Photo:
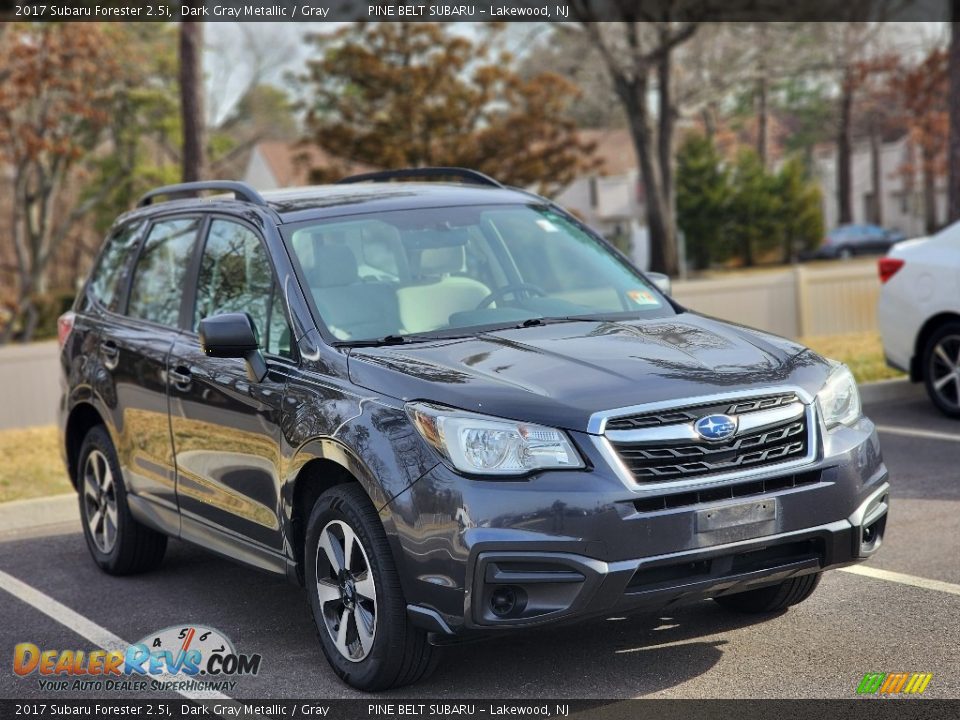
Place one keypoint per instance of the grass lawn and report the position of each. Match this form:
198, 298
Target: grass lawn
862, 352
30, 464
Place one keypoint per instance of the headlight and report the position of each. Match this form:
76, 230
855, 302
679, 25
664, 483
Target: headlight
482, 445
839, 399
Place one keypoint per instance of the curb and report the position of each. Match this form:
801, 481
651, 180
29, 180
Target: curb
26, 514
887, 390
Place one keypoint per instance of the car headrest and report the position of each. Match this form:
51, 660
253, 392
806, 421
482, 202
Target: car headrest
442, 260
333, 266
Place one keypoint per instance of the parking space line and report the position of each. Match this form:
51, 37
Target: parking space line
910, 432
99, 636
903, 579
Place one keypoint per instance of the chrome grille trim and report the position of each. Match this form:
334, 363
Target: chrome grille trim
667, 433
598, 421
648, 487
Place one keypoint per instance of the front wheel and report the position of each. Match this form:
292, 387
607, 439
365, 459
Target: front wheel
773, 598
354, 592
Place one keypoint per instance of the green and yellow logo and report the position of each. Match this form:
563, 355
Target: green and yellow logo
894, 683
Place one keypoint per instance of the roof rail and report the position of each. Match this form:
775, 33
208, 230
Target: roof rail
241, 190
468, 177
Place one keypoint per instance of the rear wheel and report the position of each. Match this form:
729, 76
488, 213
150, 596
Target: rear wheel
773, 598
117, 542
941, 365
354, 592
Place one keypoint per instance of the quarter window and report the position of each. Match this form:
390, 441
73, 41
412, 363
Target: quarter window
113, 268
235, 276
161, 270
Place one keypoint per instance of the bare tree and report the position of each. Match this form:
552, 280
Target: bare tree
638, 58
191, 100
242, 58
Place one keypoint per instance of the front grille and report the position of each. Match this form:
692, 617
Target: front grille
662, 460
673, 417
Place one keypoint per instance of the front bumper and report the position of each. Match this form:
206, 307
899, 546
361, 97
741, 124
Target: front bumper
480, 555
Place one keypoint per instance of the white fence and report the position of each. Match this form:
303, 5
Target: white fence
797, 302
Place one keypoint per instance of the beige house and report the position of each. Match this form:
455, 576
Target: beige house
902, 204
610, 200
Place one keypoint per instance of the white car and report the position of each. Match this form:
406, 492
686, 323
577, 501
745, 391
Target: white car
919, 313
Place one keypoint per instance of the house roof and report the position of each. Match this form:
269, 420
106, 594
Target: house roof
291, 162
614, 149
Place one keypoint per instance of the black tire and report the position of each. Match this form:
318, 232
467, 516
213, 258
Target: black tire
773, 598
399, 653
845, 253
134, 548
946, 398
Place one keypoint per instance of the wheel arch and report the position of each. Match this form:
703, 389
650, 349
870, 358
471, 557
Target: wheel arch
319, 465
83, 417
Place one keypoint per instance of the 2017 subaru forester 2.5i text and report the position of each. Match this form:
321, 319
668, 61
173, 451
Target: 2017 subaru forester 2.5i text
446, 408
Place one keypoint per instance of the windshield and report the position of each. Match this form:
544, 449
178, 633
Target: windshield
437, 271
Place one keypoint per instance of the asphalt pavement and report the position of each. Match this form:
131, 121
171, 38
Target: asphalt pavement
900, 612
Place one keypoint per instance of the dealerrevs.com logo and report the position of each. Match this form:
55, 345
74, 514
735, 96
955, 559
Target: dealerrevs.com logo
178, 658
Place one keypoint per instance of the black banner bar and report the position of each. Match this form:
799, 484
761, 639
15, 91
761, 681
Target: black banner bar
390, 708
478, 10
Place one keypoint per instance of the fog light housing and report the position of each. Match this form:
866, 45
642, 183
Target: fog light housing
507, 600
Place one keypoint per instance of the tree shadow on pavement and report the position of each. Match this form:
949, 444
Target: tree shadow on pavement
617, 658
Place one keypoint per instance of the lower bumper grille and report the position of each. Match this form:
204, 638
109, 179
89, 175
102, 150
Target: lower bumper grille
726, 492
717, 568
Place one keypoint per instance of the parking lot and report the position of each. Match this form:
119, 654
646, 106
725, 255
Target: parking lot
898, 613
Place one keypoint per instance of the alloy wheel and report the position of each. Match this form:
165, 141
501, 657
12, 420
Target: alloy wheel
346, 590
945, 370
100, 501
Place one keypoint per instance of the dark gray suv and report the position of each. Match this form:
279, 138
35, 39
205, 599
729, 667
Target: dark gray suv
446, 408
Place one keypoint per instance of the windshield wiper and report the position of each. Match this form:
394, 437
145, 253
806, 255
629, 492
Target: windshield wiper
538, 321
377, 342
395, 340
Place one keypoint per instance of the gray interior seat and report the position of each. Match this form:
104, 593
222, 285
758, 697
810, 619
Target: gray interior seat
351, 308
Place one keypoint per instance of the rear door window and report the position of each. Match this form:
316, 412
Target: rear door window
158, 280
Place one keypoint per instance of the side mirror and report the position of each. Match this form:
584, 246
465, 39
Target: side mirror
233, 335
661, 281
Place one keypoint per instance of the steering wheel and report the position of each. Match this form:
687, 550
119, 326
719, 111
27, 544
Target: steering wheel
507, 290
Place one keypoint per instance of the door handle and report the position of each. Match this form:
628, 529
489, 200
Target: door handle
180, 378
110, 353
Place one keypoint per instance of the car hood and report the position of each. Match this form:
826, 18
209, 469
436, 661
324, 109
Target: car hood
560, 374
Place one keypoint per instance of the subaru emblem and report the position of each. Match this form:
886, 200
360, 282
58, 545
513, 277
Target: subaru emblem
716, 427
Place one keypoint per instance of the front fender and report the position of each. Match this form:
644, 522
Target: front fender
379, 447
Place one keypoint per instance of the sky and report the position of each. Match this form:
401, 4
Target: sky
235, 50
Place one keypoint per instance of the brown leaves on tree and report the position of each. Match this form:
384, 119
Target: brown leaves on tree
54, 84
396, 95
55, 90
924, 90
